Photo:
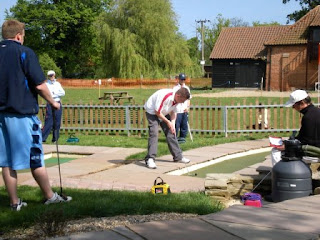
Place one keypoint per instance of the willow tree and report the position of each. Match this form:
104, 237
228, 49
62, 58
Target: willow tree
140, 38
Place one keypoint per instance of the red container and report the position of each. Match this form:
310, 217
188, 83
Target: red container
253, 203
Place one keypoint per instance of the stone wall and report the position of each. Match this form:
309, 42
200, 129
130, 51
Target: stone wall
229, 187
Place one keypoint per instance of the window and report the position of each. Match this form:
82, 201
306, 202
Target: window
313, 43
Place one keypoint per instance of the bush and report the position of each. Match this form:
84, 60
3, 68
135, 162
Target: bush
47, 63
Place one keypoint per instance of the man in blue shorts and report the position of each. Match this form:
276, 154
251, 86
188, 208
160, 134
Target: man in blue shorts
21, 80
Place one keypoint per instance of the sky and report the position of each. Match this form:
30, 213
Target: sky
190, 11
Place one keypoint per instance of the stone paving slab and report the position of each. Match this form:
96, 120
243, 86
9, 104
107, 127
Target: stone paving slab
189, 229
146, 179
305, 204
263, 217
124, 231
250, 232
74, 149
103, 235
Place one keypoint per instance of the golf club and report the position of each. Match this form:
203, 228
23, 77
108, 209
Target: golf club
55, 132
190, 131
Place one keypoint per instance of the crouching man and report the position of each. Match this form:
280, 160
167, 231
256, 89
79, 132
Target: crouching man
161, 109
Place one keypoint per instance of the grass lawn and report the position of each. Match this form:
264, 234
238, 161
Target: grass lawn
86, 96
96, 204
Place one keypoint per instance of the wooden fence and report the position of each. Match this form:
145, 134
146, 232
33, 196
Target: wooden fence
203, 119
143, 83
115, 83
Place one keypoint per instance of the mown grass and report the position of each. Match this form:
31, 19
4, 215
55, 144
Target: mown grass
96, 204
86, 96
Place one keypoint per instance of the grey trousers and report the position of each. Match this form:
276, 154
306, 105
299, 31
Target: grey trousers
153, 124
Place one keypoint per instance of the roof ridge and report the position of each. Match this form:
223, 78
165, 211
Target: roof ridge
296, 32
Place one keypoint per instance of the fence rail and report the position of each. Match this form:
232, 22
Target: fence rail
224, 120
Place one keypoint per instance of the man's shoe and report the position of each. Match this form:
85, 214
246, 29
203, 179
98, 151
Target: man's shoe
57, 199
183, 160
17, 207
151, 164
181, 140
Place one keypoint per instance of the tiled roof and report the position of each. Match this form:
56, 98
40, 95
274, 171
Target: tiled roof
244, 42
297, 33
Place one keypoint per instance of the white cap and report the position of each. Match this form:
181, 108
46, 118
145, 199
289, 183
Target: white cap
296, 96
51, 72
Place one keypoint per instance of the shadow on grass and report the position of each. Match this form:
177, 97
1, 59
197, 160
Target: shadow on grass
96, 204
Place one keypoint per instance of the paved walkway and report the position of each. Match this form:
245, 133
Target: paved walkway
103, 167
293, 219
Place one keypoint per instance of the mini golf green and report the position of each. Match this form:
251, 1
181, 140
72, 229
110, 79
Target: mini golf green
50, 162
230, 166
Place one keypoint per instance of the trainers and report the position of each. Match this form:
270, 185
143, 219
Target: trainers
151, 164
17, 207
57, 199
183, 160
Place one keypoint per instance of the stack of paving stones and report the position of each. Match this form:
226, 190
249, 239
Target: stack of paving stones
228, 188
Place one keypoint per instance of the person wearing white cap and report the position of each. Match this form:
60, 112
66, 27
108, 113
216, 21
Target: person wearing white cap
309, 133
56, 92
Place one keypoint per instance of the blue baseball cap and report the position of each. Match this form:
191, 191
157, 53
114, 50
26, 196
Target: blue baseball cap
182, 76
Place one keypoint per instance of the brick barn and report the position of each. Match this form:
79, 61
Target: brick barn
273, 58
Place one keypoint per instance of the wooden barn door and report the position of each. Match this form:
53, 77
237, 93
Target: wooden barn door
248, 75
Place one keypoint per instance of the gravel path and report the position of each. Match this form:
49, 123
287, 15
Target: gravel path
95, 224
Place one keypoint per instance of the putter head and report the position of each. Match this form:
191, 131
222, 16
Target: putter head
64, 196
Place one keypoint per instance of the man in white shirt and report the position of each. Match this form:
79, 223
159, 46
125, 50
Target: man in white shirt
57, 92
182, 111
161, 109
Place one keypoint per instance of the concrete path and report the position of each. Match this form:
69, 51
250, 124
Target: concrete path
292, 219
104, 169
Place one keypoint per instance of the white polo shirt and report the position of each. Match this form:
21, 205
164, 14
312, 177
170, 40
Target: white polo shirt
161, 101
181, 106
55, 89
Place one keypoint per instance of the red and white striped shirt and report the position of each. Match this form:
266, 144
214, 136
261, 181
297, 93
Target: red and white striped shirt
161, 101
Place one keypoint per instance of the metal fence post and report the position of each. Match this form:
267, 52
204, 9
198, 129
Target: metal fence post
128, 124
225, 121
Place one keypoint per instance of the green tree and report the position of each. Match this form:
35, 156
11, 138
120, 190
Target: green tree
193, 44
258, 23
63, 30
140, 38
306, 6
47, 63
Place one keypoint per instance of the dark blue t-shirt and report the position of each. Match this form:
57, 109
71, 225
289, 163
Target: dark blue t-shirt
20, 73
